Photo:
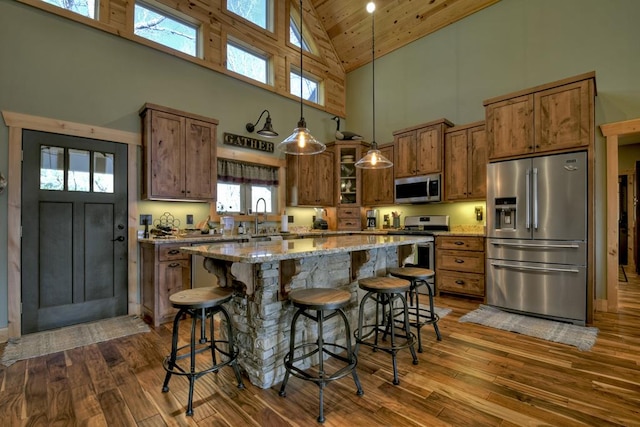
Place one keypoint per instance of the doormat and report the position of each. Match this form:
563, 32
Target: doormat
56, 340
578, 336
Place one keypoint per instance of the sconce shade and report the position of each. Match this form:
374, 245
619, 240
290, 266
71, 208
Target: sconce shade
301, 142
374, 158
267, 130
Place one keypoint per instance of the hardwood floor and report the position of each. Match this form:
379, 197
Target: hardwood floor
474, 376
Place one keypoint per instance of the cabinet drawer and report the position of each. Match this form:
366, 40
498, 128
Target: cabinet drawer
348, 212
467, 283
171, 253
472, 262
460, 243
349, 224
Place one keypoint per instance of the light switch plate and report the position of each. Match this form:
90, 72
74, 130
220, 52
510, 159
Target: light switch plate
189, 219
146, 217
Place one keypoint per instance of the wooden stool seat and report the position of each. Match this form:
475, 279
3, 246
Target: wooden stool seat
419, 277
385, 292
320, 305
200, 297
384, 285
201, 304
320, 298
410, 273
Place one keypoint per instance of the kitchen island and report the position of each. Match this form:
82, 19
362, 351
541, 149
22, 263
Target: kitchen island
263, 273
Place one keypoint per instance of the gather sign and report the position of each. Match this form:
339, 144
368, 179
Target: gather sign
247, 142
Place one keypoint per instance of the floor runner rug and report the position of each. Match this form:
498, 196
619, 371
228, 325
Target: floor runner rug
578, 336
56, 340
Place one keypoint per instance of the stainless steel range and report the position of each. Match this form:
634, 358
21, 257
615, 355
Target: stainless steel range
424, 225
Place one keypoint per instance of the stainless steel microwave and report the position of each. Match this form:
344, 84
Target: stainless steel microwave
419, 189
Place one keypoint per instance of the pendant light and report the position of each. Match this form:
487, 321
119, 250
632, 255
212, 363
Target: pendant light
374, 158
301, 142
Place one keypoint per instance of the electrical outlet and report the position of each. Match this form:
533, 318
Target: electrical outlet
189, 219
290, 219
145, 218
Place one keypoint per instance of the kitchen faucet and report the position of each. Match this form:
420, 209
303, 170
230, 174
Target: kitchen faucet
258, 214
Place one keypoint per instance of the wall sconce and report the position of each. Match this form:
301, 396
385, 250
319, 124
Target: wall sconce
267, 130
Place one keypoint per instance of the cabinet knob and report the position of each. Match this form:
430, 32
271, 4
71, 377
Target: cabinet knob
459, 243
174, 265
174, 252
459, 261
459, 282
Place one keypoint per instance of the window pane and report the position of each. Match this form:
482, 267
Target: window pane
103, 172
78, 175
258, 192
309, 87
246, 63
229, 198
295, 37
51, 168
165, 29
82, 7
251, 10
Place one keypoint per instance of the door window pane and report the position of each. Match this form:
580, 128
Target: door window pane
78, 176
51, 168
103, 173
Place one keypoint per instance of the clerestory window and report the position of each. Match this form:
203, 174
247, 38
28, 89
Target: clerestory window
82, 7
247, 62
257, 11
165, 28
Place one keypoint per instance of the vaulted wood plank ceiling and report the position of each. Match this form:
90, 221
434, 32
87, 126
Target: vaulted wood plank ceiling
397, 23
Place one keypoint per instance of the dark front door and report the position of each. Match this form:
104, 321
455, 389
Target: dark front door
74, 230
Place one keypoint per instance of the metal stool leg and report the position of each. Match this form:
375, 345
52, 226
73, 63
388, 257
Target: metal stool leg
174, 349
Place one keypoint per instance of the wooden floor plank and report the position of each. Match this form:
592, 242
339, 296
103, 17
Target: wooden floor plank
475, 376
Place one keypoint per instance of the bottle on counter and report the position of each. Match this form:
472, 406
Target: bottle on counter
241, 228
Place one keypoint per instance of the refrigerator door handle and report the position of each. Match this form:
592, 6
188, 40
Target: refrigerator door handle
535, 245
527, 197
535, 198
525, 267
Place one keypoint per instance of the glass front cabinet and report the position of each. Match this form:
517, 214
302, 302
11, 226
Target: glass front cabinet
348, 183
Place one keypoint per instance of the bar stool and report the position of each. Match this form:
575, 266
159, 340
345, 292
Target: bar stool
321, 301
419, 277
386, 291
200, 303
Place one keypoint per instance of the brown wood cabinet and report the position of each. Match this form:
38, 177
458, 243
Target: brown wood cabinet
553, 117
465, 162
349, 218
179, 155
165, 271
310, 179
460, 265
418, 150
377, 184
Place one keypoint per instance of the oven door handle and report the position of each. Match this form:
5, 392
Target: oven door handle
535, 245
528, 267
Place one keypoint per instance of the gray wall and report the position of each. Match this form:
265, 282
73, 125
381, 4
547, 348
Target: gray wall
55, 68
512, 45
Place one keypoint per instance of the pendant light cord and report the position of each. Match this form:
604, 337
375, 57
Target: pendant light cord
301, 53
373, 76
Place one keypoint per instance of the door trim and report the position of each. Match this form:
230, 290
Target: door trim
612, 131
16, 122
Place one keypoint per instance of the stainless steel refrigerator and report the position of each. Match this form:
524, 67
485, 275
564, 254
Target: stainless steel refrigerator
537, 236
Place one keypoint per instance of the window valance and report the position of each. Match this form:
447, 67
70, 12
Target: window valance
246, 173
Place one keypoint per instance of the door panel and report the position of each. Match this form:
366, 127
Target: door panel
74, 235
507, 182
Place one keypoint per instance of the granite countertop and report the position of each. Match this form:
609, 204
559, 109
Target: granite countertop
268, 251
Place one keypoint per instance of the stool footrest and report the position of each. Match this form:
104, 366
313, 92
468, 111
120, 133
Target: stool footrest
308, 375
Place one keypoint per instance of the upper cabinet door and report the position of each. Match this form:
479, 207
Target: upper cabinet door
456, 161
563, 117
429, 150
201, 164
477, 173
510, 127
405, 154
166, 156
